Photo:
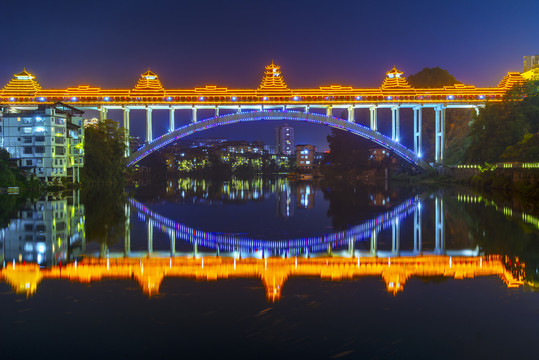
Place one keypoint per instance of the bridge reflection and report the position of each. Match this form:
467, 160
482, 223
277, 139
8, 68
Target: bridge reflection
274, 272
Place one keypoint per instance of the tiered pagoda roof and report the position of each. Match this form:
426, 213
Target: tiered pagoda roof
273, 79
148, 81
511, 79
23, 83
395, 80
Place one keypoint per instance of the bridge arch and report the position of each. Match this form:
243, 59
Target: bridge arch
335, 122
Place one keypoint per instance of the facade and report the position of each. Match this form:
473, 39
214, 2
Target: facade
305, 156
530, 62
47, 232
46, 141
284, 140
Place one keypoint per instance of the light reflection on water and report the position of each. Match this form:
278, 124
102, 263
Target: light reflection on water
390, 237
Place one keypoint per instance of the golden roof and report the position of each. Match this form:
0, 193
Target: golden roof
23, 83
149, 81
273, 79
511, 79
395, 80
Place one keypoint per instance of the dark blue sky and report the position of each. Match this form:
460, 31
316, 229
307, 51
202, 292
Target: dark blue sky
193, 43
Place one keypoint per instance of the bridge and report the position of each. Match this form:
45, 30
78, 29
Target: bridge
273, 99
150, 272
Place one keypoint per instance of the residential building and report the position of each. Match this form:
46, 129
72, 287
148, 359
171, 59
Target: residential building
284, 140
305, 156
47, 141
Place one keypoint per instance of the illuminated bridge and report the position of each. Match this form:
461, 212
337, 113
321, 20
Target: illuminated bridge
272, 100
150, 272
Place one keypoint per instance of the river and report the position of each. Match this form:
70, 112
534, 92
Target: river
265, 268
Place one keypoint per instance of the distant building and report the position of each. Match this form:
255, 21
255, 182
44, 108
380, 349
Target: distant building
270, 149
377, 155
47, 141
284, 140
530, 62
305, 156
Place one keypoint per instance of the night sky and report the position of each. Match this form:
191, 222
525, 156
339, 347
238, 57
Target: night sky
228, 43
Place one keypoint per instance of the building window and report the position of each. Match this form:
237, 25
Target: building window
28, 150
28, 162
40, 149
27, 130
60, 150
27, 139
40, 138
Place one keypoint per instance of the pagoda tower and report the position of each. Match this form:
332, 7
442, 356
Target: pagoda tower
273, 79
23, 83
395, 80
149, 81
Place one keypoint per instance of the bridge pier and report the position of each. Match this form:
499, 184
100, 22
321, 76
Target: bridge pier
395, 123
417, 229
102, 113
172, 243
171, 125
149, 230
127, 230
329, 111
374, 242
439, 133
439, 242
149, 136
395, 237
351, 114
417, 130
374, 117
194, 115
126, 129
217, 111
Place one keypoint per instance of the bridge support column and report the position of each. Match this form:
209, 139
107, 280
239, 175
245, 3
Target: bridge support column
439, 246
351, 117
329, 111
476, 110
171, 125
194, 115
307, 109
102, 113
374, 242
417, 229
439, 133
374, 118
149, 230
126, 129
127, 230
417, 130
395, 123
351, 244
216, 111
395, 237
239, 109
149, 136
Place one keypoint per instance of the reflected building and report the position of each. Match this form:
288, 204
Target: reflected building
305, 196
47, 232
284, 201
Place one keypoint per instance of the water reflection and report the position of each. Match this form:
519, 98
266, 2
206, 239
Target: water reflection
426, 235
46, 232
273, 272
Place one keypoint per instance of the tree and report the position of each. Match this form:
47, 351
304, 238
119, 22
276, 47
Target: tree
347, 152
104, 153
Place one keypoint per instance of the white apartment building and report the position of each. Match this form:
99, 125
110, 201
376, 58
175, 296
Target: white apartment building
47, 141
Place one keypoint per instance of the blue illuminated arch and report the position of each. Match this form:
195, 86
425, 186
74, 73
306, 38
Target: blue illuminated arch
335, 122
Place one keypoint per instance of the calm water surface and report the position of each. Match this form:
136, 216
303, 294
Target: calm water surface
265, 268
